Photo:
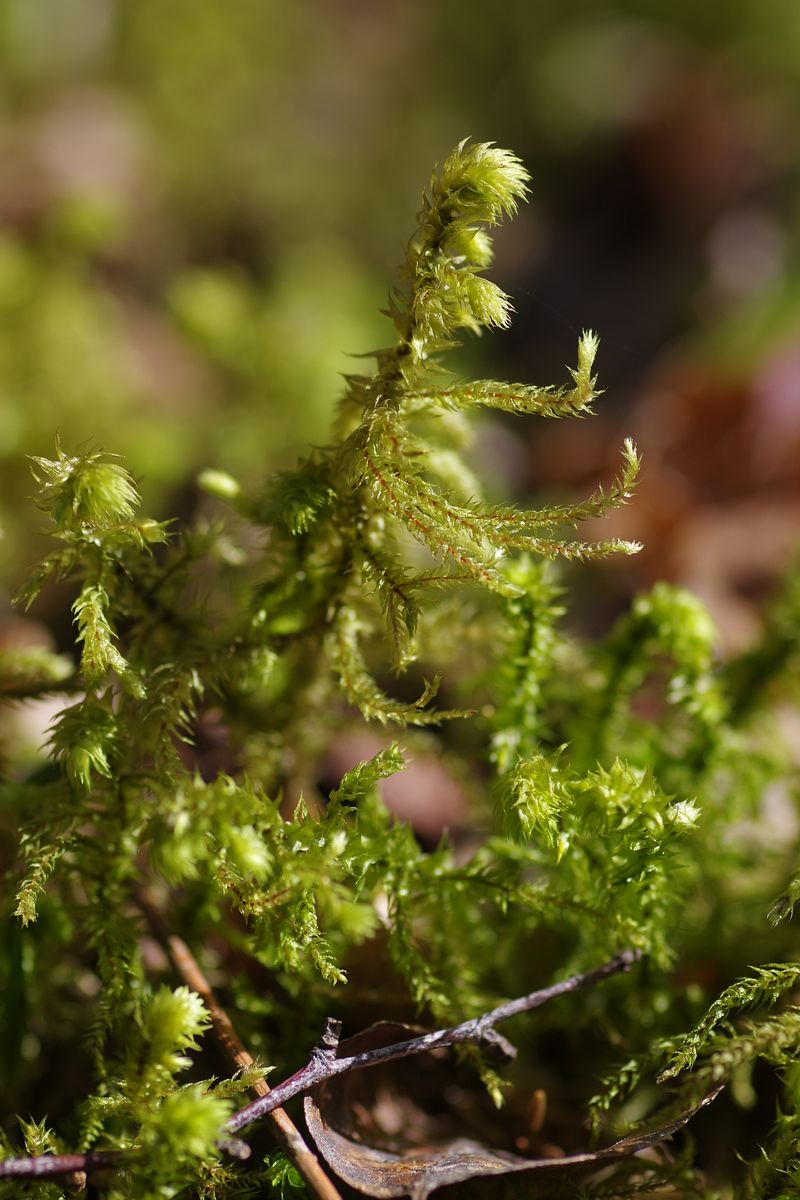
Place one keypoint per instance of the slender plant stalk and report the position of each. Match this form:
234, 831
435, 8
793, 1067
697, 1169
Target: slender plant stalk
324, 1064
236, 1052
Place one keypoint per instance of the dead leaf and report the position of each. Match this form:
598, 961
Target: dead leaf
337, 1120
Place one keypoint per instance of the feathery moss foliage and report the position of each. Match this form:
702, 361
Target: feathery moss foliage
627, 776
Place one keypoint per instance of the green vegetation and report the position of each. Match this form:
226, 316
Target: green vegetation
619, 787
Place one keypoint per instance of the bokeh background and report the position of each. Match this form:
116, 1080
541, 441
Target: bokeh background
202, 206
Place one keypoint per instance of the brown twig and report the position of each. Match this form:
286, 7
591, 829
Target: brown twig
324, 1064
43, 1166
236, 1052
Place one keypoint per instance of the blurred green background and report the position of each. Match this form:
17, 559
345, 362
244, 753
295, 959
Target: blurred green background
202, 206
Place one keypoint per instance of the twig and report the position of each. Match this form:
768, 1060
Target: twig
324, 1064
44, 1165
236, 1052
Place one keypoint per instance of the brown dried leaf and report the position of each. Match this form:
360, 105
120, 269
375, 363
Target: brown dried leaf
335, 1116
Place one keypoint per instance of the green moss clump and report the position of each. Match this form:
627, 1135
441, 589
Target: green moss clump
334, 596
